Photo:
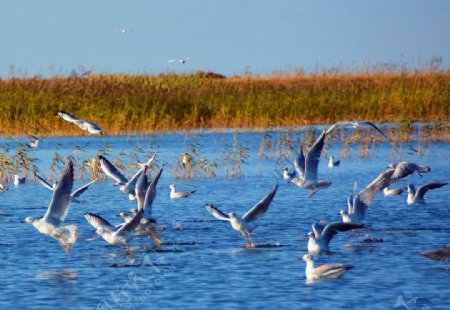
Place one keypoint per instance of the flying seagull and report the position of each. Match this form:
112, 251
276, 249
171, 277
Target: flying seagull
247, 223
181, 61
327, 271
418, 196
356, 124
404, 169
73, 195
57, 211
307, 168
323, 233
176, 195
92, 128
358, 205
125, 185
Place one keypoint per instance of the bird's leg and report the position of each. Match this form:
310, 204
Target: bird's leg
155, 238
252, 245
245, 238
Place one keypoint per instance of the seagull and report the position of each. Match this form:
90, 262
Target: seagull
125, 216
327, 271
3, 188
440, 254
181, 61
247, 223
356, 124
175, 195
404, 169
92, 128
145, 197
417, 196
357, 206
323, 233
73, 195
288, 175
393, 192
34, 143
307, 168
57, 211
125, 185
186, 159
123, 30
332, 163
18, 180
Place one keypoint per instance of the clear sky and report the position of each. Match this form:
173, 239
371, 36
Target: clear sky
228, 37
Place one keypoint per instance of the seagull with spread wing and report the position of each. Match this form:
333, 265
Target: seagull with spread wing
356, 124
90, 127
404, 169
57, 211
247, 223
358, 205
319, 239
181, 61
125, 185
73, 195
418, 196
307, 168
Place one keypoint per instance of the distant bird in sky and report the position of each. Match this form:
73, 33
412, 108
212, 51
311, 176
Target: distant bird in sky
123, 30
92, 128
57, 211
181, 61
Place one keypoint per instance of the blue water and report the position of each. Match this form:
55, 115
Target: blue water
202, 262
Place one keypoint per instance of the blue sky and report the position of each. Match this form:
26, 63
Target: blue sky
228, 37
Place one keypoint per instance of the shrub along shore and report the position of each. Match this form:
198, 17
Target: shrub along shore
125, 104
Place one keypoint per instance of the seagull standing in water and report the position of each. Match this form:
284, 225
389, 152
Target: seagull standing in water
332, 163
18, 180
357, 206
327, 271
307, 168
323, 233
90, 127
247, 223
77, 193
125, 185
176, 195
418, 196
288, 175
57, 212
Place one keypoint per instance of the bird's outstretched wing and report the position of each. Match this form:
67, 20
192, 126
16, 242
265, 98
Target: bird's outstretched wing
131, 225
151, 194
44, 182
421, 191
82, 189
68, 117
59, 205
111, 171
366, 196
404, 169
99, 222
217, 213
299, 163
261, 207
313, 157
332, 229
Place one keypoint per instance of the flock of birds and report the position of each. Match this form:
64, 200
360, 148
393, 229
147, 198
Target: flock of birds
140, 220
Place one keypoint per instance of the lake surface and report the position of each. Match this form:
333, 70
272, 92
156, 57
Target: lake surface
202, 262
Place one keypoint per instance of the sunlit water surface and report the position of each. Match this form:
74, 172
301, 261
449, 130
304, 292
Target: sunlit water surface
202, 262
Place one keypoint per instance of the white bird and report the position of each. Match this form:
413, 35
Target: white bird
418, 196
145, 195
92, 128
288, 175
404, 169
332, 163
358, 205
327, 271
18, 180
307, 168
181, 61
323, 233
123, 30
356, 124
125, 216
73, 195
247, 223
125, 185
393, 191
34, 143
176, 195
440, 254
57, 211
